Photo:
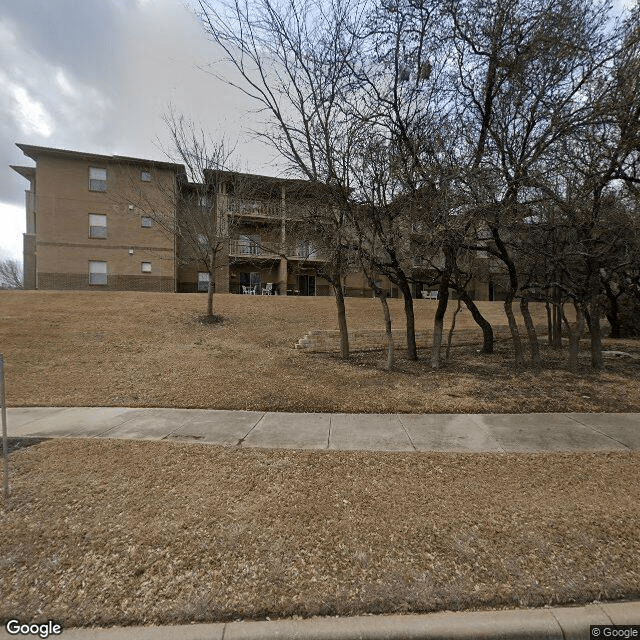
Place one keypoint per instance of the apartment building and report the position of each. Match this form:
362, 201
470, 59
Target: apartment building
257, 217
81, 232
102, 222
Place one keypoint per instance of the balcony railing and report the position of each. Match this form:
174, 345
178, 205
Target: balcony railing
254, 208
251, 247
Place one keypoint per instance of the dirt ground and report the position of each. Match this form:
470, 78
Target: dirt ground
150, 349
114, 532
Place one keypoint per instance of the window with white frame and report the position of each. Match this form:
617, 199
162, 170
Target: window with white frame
203, 281
146, 222
97, 272
97, 225
145, 267
145, 176
97, 179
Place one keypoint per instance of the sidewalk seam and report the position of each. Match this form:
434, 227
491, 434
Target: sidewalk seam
115, 426
487, 431
606, 615
587, 426
399, 416
246, 435
553, 615
184, 424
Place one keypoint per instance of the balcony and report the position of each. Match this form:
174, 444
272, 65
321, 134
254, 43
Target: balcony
303, 252
252, 247
251, 208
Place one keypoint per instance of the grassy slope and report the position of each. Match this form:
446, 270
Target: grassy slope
146, 349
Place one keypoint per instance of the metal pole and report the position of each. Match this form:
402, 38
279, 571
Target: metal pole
5, 448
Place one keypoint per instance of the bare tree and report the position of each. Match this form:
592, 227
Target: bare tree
198, 220
11, 276
293, 58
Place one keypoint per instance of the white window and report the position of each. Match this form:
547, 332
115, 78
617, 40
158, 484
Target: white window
145, 176
146, 221
146, 267
97, 225
97, 179
203, 281
97, 272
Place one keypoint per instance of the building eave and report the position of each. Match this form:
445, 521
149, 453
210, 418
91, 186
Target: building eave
26, 172
34, 152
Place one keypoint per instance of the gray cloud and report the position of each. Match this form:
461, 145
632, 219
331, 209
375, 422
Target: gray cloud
97, 76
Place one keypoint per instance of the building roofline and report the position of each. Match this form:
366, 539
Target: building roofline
26, 172
33, 152
239, 174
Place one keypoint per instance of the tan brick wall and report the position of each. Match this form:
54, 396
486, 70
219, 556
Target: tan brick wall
29, 261
114, 282
63, 205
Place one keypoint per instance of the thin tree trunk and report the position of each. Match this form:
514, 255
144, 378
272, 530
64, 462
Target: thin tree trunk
508, 303
451, 330
613, 314
596, 338
513, 328
481, 321
556, 331
443, 301
574, 337
531, 332
438, 322
549, 322
342, 321
382, 296
412, 352
210, 295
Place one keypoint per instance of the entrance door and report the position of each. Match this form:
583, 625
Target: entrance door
307, 285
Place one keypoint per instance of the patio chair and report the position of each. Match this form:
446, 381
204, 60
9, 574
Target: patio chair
245, 290
268, 290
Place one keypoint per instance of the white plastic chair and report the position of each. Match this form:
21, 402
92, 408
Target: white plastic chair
268, 290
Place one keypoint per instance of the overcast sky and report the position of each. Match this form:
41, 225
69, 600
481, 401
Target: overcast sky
97, 76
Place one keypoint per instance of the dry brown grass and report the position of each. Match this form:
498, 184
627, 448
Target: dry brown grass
149, 349
124, 532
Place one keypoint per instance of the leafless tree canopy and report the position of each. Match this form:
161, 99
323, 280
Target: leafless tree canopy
11, 276
476, 139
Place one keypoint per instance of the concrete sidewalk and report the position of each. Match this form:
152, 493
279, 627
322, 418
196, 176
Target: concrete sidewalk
560, 623
470, 433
